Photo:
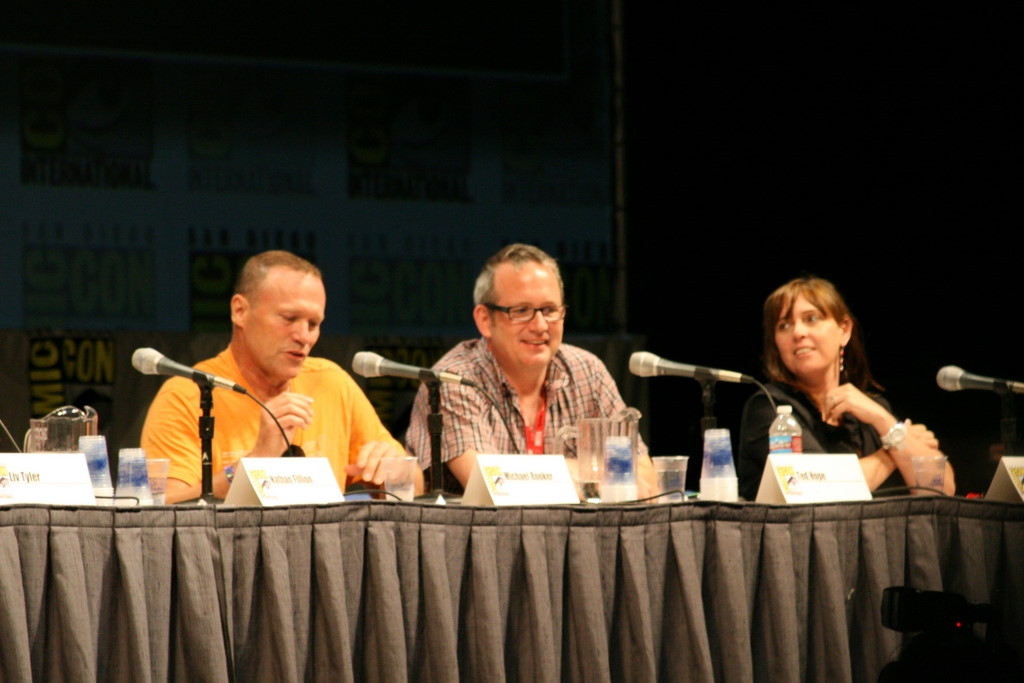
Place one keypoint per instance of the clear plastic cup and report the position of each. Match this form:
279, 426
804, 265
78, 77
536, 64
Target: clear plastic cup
95, 450
930, 471
718, 473
157, 470
400, 476
133, 477
671, 474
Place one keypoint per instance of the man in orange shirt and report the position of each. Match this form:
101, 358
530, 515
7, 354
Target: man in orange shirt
276, 314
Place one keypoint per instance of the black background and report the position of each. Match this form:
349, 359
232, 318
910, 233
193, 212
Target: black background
879, 150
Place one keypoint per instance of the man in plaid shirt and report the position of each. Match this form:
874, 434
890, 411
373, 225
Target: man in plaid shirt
539, 383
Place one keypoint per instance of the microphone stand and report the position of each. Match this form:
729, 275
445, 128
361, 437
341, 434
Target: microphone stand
206, 438
435, 425
1008, 423
707, 386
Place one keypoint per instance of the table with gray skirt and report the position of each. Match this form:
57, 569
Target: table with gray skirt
381, 591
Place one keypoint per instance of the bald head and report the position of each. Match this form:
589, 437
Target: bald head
255, 270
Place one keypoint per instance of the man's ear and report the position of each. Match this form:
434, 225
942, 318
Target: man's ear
239, 308
483, 320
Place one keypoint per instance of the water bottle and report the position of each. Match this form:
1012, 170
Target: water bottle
785, 435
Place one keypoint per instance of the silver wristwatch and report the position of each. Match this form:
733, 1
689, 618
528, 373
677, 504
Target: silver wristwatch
894, 438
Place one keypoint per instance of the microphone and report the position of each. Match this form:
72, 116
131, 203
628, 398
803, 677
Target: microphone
152, 362
952, 378
370, 364
646, 364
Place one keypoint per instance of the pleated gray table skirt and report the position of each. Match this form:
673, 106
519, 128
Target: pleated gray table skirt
394, 592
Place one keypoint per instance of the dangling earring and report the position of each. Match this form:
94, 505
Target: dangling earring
842, 367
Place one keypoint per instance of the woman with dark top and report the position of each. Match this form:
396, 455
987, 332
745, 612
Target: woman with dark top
814, 357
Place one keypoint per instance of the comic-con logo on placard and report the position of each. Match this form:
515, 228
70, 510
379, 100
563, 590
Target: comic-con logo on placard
86, 123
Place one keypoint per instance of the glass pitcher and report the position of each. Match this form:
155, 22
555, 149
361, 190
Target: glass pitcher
605, 462
58, 432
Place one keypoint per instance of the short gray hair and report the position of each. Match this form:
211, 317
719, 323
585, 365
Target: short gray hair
518, 255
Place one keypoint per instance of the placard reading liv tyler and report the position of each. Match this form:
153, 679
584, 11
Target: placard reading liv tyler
812, 478
283, 481
519, 480
50, 478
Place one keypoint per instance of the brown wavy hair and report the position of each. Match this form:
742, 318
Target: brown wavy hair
826, 298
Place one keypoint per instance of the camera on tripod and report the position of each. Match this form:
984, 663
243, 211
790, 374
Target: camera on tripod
907, 609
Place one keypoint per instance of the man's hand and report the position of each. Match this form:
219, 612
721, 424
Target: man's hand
367, 465
646, 478
293, 411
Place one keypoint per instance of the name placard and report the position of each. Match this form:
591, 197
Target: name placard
1008, 481
812, 478
283, 481
519, 480
50, 478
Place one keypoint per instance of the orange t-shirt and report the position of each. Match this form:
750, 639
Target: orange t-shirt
343, 420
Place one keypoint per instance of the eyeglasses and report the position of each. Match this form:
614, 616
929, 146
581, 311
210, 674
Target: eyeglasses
524, 314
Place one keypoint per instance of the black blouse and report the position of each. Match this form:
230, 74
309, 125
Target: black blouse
850, 436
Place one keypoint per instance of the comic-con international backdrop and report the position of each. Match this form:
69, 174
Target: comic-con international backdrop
133, 185
140, 172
